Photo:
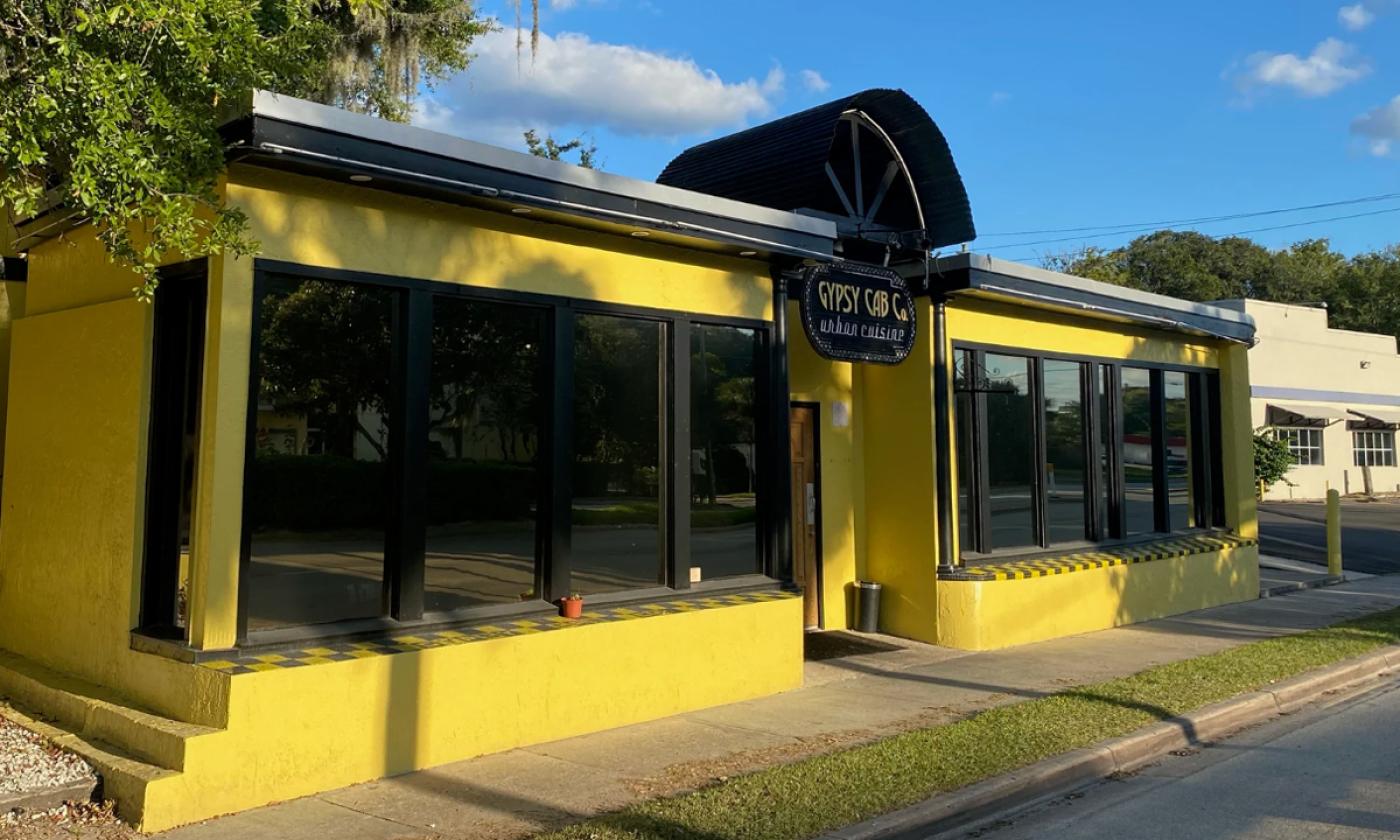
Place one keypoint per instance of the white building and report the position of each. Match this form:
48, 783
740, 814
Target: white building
1333, 395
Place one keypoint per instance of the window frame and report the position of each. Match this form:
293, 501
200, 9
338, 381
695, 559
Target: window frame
1107, 526
1371, 455
1286, 434
407, 464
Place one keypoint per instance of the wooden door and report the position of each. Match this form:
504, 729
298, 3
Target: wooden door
806, 510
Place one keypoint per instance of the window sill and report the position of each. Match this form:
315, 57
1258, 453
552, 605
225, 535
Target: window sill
332, 643
1075, 559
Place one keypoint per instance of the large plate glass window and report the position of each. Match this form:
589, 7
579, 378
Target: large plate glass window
484, 419
724, 475
617, 449
1065, 477
1181, 455
1012, 456
1139, 440
319, 500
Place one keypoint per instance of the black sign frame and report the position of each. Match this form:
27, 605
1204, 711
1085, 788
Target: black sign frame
858, 346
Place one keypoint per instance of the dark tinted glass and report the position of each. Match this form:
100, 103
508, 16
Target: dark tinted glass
1011, 445
1103, 389
483, 447
318, 501
724, 468
962, 408
1064, 451
617, 423
1179, 450
1138, 442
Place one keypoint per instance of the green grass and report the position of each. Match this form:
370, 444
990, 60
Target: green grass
819, 794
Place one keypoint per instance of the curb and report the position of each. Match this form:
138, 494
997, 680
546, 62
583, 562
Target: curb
1077, 768
1300, 586
47, 798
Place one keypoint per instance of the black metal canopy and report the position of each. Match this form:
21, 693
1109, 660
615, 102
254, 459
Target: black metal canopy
873, 162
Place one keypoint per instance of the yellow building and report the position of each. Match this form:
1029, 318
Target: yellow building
1332, 395
311, 516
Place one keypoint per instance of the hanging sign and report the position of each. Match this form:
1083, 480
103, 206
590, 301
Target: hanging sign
858, 313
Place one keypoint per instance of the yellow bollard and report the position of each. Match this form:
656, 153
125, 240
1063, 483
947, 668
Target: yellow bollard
1334, 533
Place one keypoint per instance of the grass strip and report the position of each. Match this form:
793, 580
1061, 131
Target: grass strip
808, 797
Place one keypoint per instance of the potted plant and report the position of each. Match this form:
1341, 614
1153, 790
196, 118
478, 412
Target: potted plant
571, 606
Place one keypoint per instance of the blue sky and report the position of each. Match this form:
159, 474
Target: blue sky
1060, 115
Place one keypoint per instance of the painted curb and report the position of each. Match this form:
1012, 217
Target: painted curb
43, 800
1075, 769
1300, 586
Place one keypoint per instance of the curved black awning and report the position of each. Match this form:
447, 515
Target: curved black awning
874, 162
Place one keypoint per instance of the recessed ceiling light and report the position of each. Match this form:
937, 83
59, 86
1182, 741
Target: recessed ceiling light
521, 210
748, 253
641, 234
360, 179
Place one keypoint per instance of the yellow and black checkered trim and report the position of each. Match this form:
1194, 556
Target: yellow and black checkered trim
342, 651
1080, 561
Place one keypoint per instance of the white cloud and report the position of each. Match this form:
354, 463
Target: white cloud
1332, 65
1380, 127
814, 83
562, 5
576, 81
1355, 18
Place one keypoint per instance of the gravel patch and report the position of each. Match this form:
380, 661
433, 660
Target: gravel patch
29, 763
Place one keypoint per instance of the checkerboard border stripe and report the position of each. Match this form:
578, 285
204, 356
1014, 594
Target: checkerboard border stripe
327, 652
1084, 560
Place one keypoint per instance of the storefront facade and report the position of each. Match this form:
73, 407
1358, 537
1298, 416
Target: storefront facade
1333, 396
310, 514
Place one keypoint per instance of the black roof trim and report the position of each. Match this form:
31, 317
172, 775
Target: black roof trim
782, 164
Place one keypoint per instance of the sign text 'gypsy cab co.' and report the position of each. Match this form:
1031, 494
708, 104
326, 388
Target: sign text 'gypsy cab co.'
858, 313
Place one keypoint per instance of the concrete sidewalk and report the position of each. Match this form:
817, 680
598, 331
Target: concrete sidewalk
867, 687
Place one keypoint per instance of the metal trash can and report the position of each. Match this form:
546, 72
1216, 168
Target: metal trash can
867, 606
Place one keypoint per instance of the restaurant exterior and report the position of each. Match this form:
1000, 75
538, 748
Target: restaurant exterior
313, 517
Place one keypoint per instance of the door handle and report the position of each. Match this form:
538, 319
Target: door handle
811, 505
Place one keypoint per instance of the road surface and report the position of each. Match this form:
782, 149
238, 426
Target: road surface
1370, 534
1322, 773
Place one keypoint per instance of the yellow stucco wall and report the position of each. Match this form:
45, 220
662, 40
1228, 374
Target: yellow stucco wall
74, 482
984, 615
297, 731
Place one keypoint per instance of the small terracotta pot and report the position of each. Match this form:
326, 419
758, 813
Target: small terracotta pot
571, 607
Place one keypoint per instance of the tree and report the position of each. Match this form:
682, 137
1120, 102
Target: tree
112, 109
551, 149
1272, 460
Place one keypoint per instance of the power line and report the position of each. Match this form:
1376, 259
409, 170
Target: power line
1150, 229
1195, 221
1264, 229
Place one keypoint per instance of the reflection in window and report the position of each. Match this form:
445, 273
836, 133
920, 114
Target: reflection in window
1179, 454
724, 539
1104, 391
1011, 443
1064, 451
1138, 443
483, 448
617, 434
962, 408
318, 498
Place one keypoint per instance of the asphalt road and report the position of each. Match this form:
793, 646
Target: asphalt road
1323, 773
1370, 534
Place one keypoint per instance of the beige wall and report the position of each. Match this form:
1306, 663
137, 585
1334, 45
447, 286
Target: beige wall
1299, 361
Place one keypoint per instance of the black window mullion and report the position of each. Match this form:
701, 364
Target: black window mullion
1215, 452
1200, 447
408, 455
1161, 503
675, 458
555, 530
1039, 482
